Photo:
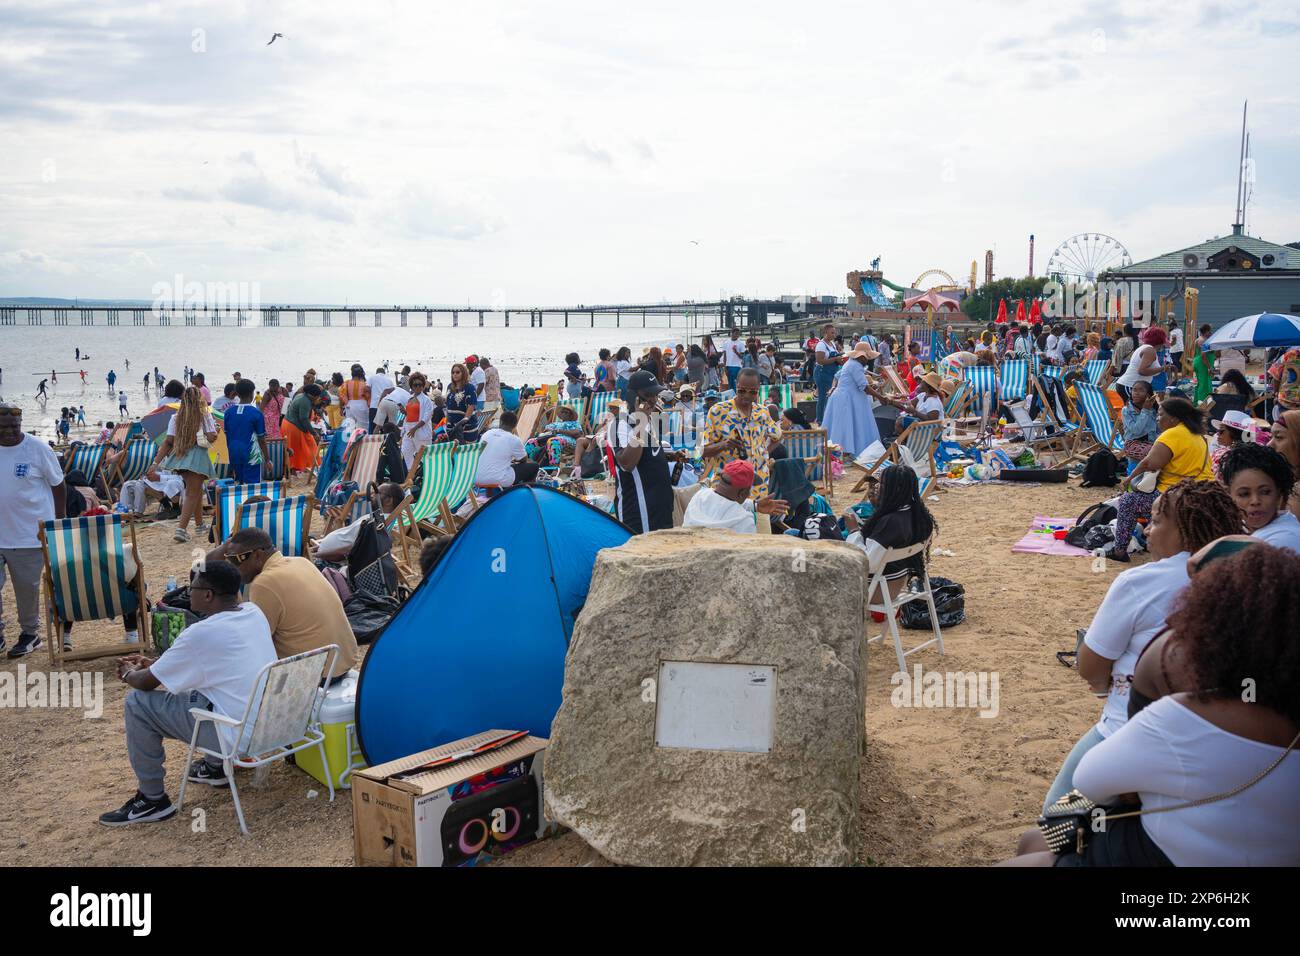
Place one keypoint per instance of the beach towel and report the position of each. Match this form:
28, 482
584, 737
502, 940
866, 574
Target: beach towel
1041, 541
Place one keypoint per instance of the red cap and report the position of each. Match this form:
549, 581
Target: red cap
471, 359
740, 473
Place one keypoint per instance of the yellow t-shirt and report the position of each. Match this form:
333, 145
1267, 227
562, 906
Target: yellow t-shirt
303, 610
1191, 457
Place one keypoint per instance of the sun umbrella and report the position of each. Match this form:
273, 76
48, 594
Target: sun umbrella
1262, 331
155, 422
1020, 311
1035, 312
1002, 311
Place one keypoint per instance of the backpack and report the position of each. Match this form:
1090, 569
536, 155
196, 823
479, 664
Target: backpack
1092, 517
370, 562
1102, 470
593, 462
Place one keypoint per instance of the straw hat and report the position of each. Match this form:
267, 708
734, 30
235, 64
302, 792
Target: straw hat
863, 350
934, 380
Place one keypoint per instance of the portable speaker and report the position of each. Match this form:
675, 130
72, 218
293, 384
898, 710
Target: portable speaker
467, 828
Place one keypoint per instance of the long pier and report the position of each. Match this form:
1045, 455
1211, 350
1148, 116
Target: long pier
689, 315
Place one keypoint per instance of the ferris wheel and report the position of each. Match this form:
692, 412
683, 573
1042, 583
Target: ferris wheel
1083, 257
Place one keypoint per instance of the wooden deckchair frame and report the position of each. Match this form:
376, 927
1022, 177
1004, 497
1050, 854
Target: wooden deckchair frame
892, 455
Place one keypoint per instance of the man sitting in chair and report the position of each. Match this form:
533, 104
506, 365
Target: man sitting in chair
214, 665
301, 607
726, 506
336, 545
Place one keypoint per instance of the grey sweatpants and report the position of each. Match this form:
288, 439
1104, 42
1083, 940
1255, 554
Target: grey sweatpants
153, 716
24, 566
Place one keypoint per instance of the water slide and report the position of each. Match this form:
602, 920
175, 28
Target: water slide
871, 289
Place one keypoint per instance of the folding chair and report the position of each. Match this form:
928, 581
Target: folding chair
485, 420
983, 382
461, 487
596, 409
276, 453
87, 459
1015, 380
435, 469
957, 401
920, 439
812, 445
230, 497
1098, 372
579, 405
784, 395
1103, 428
1064, 437
133, 464
530, 416
362, 466
888, 605
85, 580
286, 520
280, 720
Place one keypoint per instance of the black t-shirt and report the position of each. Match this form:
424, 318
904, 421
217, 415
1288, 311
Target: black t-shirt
643, 497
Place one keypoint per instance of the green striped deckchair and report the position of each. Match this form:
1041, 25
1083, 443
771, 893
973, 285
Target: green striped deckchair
598, 407
782, 395
86, 580
579, 405
436, 467
462, 483
87, 459
132, 466
230, 497
286, 520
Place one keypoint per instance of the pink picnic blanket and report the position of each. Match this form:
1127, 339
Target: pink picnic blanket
1041, 541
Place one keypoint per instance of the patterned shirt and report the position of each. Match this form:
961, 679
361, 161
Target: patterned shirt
757, 431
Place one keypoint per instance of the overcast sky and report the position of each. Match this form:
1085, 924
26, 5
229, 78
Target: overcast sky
556, 153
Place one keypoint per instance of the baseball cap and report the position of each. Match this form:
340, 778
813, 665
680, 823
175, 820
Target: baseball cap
643, 383
739, 473
471, 359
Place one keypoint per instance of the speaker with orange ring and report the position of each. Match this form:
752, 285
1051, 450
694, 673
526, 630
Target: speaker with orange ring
489, 818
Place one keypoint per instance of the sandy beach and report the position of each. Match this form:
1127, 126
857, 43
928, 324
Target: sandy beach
939, 786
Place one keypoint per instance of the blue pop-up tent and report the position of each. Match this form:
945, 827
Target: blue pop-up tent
481, 643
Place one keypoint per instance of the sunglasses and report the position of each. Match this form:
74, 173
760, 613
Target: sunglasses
238, 559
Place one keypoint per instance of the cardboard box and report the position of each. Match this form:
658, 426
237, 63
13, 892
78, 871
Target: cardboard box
456, 814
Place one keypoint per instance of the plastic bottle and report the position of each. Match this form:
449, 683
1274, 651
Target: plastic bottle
171, 584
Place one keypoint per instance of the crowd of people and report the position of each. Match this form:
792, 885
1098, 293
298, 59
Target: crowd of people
687, 440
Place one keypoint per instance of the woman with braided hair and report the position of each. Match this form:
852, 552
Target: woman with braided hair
185, 452
1212, 756
1184, 519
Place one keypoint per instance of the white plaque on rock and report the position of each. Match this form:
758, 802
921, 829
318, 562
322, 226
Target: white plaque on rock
710, 706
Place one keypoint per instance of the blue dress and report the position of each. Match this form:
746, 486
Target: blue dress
849, 420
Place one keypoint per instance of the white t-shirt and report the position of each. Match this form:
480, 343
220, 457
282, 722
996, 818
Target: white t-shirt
28, 471
929, 403
220, 657
209, 425
1131, 614
827, 348
378, 382
1131, 376
425, 432
169, 483
708, 509
1053, 346
734, 351
503, 447
1282, 532
1169, 755
1175, 339
621, 368
398, 396
478, 378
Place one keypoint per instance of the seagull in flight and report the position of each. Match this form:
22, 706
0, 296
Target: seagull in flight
695, 242
273, 36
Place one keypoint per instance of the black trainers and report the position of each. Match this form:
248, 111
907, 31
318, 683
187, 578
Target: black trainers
203, 772
139, 809
26, 644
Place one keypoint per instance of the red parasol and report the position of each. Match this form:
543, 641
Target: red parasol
1020, 311
1002, 312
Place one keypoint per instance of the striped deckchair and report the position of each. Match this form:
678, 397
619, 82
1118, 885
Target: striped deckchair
87, 459
131, 466
461, 487
361, 466
447, 471
578, 404
1065, 435
530, 416
920, 439
230, 497
983, 391
1015, 380
1051, 371
85, 580
812, 445
596, 410
782, 395
937, 348
1103, 428
1035, 364
1098, 372
286, 520
679, 435
957, 401
274, 451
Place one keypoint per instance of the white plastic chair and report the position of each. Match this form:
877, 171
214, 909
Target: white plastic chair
889, 604
280, 720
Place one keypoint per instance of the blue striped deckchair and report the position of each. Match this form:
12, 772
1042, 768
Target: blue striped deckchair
87, 459
1098, 371
1065, 435
286, 520
813, 446
679, 435
983, 389
137, 455
86, 580
596, 411
782, 395
920, 439
1015, 380
1051, 371
937, 349
957, 401
1102, 427
275, 451
230, 497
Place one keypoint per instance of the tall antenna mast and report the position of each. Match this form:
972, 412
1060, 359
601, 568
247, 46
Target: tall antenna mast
1239, 223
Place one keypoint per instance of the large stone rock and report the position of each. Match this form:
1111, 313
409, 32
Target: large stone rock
714, 596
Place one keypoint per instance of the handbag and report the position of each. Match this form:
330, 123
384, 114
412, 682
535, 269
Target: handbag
1067, 824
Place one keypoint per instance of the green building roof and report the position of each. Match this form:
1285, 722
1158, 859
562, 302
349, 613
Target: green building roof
1172, 262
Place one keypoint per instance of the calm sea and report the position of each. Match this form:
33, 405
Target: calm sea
525, 356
